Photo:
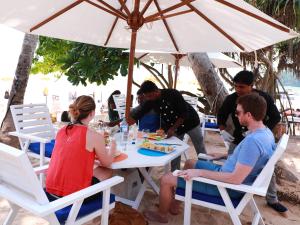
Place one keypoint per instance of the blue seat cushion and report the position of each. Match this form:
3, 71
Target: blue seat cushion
211, 125
35, 147
87, 207
208, 198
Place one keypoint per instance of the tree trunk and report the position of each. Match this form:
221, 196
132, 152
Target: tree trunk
209, 81
18, 88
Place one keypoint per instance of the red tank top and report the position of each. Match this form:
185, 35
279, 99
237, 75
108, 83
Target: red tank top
71, 165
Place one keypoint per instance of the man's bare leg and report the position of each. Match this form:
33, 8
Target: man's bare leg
166, 195
175, 206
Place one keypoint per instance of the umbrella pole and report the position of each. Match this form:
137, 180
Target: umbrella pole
176, 71
130, 72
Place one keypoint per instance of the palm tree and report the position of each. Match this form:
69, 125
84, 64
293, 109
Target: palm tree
18, 88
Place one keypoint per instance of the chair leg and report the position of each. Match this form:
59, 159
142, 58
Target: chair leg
12, 214
257, 218
231, 210
42, 159
105, 207
187, 203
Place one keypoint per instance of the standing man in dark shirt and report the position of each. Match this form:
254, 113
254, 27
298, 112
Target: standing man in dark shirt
243, 84
178, 117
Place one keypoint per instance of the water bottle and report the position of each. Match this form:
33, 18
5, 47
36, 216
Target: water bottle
124, 133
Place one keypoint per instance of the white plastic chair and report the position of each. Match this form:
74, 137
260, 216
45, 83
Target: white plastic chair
233, 207
20, 187
33, 124
35, 130
209, 122
120, 102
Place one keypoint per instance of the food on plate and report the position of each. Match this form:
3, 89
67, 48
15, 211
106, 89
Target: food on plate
157, 147
117, 153
156, 136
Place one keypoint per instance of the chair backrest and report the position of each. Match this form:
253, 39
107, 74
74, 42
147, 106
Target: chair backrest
120, 102
33, 119
16, 173
265, 175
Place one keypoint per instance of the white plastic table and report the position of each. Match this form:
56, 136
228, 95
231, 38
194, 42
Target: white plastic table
137, 160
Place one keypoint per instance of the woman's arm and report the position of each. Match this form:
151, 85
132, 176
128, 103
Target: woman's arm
95, 142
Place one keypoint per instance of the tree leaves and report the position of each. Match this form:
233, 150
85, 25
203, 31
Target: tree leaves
80, 62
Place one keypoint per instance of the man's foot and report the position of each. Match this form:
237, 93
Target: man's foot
155, 216
278, 207
173, 210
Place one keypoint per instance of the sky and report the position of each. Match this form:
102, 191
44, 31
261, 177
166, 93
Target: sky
10, 46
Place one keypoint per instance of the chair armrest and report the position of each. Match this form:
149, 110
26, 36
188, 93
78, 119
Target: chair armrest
41, 169
30, 137
240, 187
82, 194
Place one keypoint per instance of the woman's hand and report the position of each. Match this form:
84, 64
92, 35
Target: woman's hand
190, 173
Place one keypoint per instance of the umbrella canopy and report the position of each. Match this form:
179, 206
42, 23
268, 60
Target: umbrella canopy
162, 25
219, 60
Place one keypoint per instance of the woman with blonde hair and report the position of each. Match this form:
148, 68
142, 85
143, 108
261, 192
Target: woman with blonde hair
76, 145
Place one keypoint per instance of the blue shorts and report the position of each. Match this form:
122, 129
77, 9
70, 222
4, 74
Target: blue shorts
204, 188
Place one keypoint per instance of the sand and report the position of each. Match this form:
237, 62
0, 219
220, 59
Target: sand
200, 215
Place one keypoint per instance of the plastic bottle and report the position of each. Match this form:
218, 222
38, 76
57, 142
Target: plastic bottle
124, 133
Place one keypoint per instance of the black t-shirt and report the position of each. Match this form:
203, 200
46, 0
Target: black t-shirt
171, 106
229, 107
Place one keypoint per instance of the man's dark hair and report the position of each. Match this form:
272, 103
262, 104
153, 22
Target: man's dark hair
148, 86
244, 77
139, 92
255, 104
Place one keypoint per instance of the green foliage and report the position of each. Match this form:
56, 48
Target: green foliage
80, 62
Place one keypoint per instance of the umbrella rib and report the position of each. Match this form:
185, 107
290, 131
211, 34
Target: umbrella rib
113, 27
215, 26
60, 12
167, 27
123, 5
146, 7
171, 8
277, 26
170, 15
106, 10
142, 56
112, 8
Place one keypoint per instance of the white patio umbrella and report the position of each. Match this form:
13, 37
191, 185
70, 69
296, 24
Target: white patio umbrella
219, 60
162, 25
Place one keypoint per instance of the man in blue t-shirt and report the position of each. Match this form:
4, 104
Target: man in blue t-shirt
243, 166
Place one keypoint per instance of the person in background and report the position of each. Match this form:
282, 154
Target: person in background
150, 121
65, 117
177, 116
71, 167
242, 167
243, 84
112, 114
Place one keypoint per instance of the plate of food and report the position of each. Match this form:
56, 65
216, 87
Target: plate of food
155, 149
158, 135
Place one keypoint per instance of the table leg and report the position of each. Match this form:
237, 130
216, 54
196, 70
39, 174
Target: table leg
139, 197
147, 176
148, 180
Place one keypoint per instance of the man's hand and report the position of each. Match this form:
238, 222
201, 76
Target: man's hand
170, 132
190, 173
226, 136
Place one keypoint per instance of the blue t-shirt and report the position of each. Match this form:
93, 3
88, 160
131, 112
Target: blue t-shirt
255, 151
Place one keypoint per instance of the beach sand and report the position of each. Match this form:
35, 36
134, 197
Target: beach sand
200, 215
